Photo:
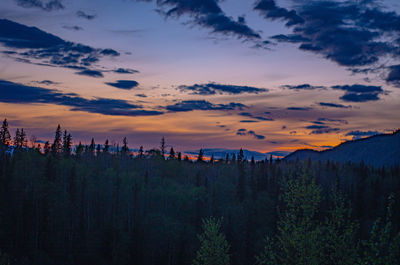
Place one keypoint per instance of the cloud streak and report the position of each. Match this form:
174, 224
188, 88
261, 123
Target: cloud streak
52, 5
245, 132
354, 34
360, 93
32, 45
214, 88
123, 84
207, 14
21, 94
190, 105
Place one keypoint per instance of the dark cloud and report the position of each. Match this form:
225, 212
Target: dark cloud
302, 87
248, 121
213, 88
292, 38
125, 71
74, 28
334, 105
91, 73
299, 108
332, 120
190, 105
319, 127
44, 5
270, 10
82, 14
124, 84
141, 95
42, 48
21, 94
394, 75
355, 34
208, 14
360, 134
247, 114
245, 132
46, 82
360, 93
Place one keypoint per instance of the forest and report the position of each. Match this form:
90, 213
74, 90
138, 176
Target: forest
69, 203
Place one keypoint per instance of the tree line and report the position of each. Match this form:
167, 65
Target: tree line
101, 204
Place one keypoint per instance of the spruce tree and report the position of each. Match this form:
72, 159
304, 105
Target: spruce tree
162, 147
172, 153
56, 148
200, 157
141, 152
125, 148
5, 137
47, 148
179, 157
214, 248
106, 147
17, 138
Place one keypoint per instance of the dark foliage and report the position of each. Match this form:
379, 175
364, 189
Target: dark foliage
106, 206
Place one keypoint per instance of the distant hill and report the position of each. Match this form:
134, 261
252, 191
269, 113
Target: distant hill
222, 152
378, 150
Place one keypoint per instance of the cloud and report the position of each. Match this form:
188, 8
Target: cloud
302, 87
299, 108
334, 105
270, 10
21, 94
207, 14
360, 93
360, 134
82, 14
332, 120
124, 84
51, 5
321, 129
247, 114
355, 34
394, 75
141, 95
213, 88
125, 71
91, 73
248, 121
292, 38
74, 28
190, 105
32, 45
244, 132
46, 82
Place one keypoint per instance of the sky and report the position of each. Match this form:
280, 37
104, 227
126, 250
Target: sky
264, 75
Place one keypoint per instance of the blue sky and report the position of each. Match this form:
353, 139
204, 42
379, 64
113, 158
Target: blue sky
265, 75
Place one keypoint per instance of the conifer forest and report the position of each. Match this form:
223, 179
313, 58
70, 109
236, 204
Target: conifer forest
68, 203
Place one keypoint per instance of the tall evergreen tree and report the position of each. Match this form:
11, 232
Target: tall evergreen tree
125, 148
171, 153
17, 138
47, 148
106, 148
141, 152
214, 248
56, 147
162, 147
67, 144
5, 137
92, 147
200, 157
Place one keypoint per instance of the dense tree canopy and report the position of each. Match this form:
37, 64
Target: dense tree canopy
111, 206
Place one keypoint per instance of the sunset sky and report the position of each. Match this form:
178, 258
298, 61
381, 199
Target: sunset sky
263, 75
